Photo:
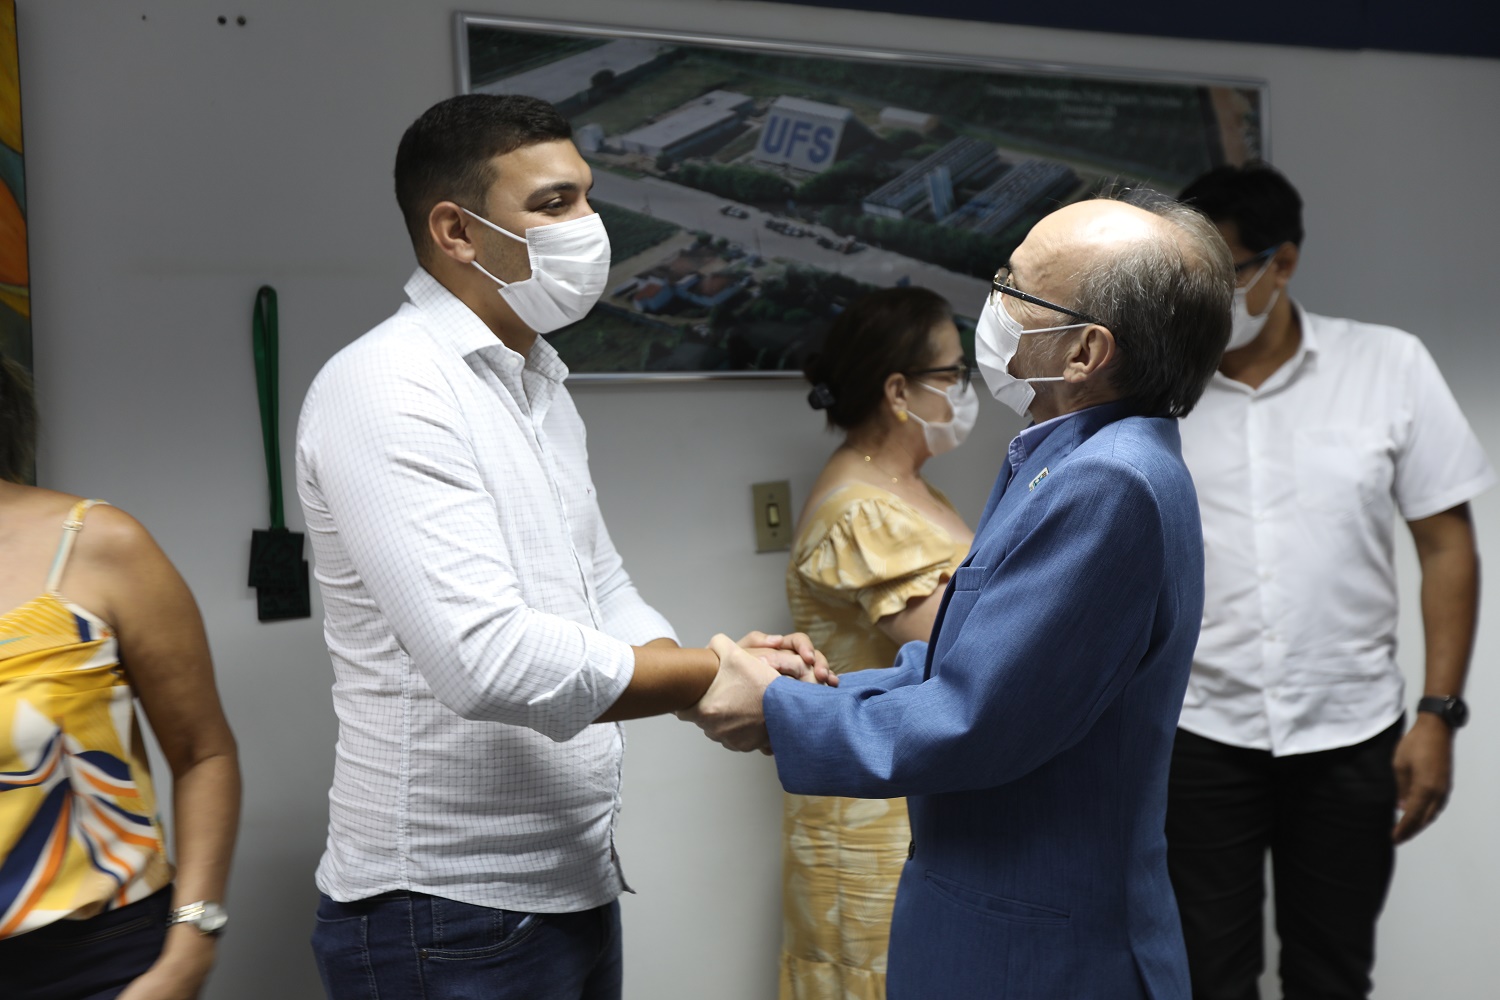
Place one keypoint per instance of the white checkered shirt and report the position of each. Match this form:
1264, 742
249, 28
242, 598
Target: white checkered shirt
478, 617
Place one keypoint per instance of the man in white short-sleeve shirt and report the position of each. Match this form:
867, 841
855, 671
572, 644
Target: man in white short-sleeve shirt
1314, 435
485, 637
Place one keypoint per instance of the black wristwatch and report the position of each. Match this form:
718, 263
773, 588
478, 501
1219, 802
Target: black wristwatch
1452, 710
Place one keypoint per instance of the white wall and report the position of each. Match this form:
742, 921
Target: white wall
173, 165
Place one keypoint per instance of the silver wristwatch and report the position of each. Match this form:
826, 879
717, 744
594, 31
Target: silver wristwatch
209, 917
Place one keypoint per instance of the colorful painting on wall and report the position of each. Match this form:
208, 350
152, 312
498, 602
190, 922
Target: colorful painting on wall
15, 275
752, 188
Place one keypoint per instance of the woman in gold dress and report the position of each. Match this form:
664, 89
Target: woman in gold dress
874, 547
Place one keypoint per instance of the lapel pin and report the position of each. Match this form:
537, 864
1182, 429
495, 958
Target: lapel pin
1039, 477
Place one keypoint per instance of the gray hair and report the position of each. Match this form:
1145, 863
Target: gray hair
1167, 301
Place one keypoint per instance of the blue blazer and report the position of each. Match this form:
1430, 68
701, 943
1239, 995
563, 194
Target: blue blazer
1032, 734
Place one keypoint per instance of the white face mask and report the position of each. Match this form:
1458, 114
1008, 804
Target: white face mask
996, 338
1246, 327
945, 435
569, 268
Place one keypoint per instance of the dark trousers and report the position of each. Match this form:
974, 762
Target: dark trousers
92, 959
1326, 818
410, 946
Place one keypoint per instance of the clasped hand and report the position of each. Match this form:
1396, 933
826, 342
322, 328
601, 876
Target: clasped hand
730, 712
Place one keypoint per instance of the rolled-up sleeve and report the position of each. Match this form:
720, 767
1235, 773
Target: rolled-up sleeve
391, 460
626, 614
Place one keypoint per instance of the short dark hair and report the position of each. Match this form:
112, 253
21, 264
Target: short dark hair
17, 422
1167, 302
879, 334
448, 152
1264, 207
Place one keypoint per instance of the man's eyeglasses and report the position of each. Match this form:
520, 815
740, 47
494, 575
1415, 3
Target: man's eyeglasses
1001, 283
1243, 267
961, 371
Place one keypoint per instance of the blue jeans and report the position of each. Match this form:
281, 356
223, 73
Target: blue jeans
92, 959
410, 946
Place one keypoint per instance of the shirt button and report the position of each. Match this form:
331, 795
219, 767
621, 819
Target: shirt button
1266, 575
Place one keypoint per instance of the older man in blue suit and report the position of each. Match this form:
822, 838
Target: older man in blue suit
1032, 734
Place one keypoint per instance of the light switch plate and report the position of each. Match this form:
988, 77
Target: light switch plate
772, 504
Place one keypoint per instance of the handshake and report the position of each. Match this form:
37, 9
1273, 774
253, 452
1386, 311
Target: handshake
729, 712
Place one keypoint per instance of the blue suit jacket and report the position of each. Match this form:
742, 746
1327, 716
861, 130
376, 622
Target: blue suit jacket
1032, 734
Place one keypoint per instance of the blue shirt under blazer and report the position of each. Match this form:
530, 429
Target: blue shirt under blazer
1032, 734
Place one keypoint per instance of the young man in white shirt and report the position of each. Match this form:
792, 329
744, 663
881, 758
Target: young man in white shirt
485, 637
1312, 437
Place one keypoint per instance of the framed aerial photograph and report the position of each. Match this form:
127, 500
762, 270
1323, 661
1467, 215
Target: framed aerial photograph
753, 188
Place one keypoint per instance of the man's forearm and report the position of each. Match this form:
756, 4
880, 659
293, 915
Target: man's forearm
666, 679
1450, 599
1423, 763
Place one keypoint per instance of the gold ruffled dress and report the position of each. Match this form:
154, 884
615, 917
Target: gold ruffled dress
860, 555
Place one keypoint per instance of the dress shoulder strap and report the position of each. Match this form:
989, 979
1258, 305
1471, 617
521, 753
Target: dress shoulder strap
71, 527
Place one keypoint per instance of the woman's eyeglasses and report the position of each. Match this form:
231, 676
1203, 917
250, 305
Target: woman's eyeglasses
961, 371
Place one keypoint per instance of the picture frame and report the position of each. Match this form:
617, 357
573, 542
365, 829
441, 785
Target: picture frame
753, 187
15, 271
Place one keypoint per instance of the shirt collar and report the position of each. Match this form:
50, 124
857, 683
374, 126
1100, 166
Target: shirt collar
1082, 422
1306, 354
1307, 347
456, 327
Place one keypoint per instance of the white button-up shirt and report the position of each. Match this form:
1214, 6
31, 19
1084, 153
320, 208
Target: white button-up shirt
478, 617
1299, 482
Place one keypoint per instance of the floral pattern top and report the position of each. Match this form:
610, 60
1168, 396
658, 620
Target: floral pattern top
78, 827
